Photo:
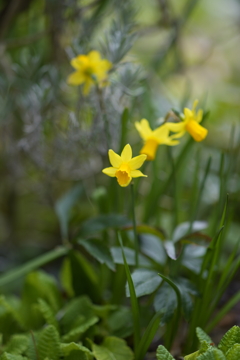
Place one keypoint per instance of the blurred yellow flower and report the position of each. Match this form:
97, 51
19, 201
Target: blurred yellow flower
153, 138
190, 123
124, 167
90, 69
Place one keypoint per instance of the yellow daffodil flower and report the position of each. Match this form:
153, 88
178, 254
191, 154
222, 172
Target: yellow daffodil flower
190, 123
124, 167
90, 69
153, 138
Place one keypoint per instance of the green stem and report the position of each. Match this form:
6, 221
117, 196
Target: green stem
136, 245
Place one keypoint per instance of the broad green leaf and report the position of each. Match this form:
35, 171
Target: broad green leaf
47, 313
212, 354
165, 302
49, 344
75, 333
99, 251
17, 345
231, 337
112, 348
192, 257
75, 309
102, 222
64, 205
170, 249
120, 322
153, 247
202, 336
130, 256
13, 311
150, 230
234, 352
163, 354
145, 282
183, 229
192, 356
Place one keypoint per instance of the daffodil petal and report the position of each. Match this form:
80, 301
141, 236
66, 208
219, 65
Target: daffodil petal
137, 161
110, 171
76, 78
114, 159
195, 104
161, 134
126, 154
137, 173
144, 129
175, 127
188, 113
178, 135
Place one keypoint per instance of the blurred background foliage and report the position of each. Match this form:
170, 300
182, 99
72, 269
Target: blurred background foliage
165, 54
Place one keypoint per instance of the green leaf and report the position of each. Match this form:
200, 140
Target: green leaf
231, 337
64, 205
148, 336
145, 282
99, 251
14, 312
49, 344
202, 336
192, 356
130, 256
165, 302
212, 354
152, 246
17, 345
163, 354
133, 298
183, 229
74, 334
47, 313
22, 270
234, 352
120, 322
102, 222
66, 349
66, 277
7, 356
112, 348
84, 278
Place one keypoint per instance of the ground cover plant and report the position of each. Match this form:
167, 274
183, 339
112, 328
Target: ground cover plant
119, 203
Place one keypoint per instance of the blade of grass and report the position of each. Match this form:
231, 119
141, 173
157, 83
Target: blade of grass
133, 298
148, 336
32, 265
229, 305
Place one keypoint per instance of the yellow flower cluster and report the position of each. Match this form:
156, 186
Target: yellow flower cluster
90, 70
124, 167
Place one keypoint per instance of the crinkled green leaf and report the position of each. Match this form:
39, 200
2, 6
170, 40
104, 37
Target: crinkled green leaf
163, 354
234, 352
49, 344
18, 344
120, 322
231, 337
202, 336
7, 356
212, 354
145, 282
66, 349
47, 313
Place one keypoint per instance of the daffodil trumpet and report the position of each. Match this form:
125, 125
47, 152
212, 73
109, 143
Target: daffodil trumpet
90, 70
190, 123
153, 138
124, 166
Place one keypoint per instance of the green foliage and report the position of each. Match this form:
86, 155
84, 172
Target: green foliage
163, 354
112, 348
48, 344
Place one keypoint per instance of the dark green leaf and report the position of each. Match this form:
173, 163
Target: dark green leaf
145, 282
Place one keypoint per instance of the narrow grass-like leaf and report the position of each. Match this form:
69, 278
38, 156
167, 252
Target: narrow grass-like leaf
133, 297
148, 336
22, 270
